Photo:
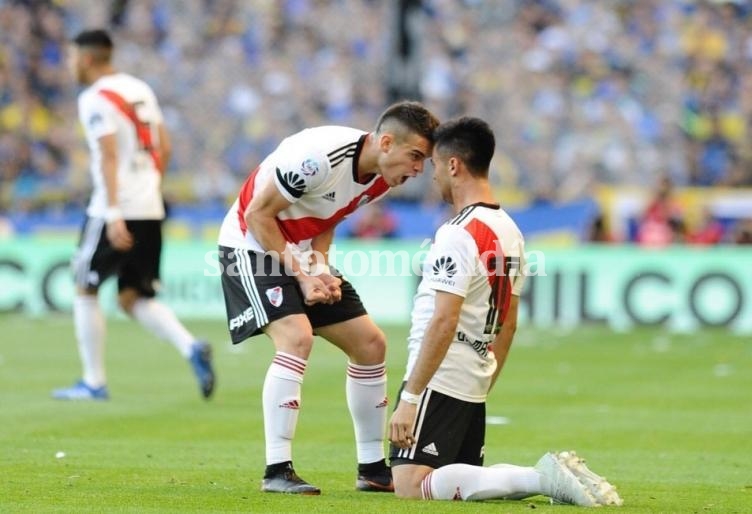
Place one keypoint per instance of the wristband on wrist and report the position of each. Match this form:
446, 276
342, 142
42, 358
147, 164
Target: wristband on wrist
320, 268
413, 399
112, 214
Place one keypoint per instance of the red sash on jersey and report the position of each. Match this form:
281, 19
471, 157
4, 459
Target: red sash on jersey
143, 131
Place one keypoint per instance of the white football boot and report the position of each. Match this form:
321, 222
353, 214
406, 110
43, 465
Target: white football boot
560, 483
603, 492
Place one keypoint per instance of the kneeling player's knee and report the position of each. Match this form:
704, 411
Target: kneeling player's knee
408, 488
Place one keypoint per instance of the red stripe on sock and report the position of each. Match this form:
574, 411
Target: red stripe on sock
357, 372
289, 363
425, 487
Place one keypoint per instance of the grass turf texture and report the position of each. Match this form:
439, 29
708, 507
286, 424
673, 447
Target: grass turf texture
667, 418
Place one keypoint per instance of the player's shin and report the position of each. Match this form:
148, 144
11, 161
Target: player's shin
367, 401
466, 482
281, 399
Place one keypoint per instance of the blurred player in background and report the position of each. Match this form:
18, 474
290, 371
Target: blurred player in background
273, 248
463, 322
122, 234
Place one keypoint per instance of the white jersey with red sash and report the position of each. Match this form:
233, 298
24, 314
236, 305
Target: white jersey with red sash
315, 170
478, 255
123, 105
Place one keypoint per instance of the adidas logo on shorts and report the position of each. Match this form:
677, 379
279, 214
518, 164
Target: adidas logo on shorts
430, 449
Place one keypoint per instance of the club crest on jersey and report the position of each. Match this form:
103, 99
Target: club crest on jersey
309, 168
275, 295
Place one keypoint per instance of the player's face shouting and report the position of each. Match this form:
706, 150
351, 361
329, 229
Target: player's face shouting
405, 159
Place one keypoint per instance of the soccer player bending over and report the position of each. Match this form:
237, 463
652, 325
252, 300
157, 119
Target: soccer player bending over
273, 248
122, 233
463, 322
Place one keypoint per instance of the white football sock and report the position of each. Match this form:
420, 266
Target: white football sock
159, 319
466, 482
281, 399
367, 401
90, 333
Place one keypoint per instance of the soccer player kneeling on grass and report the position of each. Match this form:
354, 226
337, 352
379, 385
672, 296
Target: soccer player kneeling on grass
463, 322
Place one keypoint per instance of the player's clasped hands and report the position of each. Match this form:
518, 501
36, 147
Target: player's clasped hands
323, 288
332, 284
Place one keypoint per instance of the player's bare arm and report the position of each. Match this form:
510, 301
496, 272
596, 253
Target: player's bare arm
439, 336
503, 341
164, 148
260, 218
320, 263
117, 232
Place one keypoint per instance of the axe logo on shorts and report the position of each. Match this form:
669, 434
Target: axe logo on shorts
275, 295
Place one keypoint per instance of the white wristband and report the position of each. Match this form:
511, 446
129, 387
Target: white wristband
112, 214
411, 398
320, 268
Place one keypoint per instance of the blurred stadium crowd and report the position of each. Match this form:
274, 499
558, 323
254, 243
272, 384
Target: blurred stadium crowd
581, 93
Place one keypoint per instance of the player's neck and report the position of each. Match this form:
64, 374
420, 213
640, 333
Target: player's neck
368, 162
471, 192
97, 73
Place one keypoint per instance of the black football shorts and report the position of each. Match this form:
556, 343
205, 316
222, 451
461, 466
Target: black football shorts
258, 291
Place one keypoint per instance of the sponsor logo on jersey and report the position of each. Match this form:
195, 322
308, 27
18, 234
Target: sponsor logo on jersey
444, 269
241, 319
330, 196
445, 266
275, 295
292, 182
309, 168
482, 347
431, 449
94, 120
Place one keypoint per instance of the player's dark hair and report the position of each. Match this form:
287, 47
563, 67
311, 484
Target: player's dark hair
97, 41
469, 139
412, 117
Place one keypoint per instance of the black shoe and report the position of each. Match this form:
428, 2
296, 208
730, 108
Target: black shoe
281, 478
375, 477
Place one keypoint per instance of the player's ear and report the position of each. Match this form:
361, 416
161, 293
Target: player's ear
385, 142
453, 166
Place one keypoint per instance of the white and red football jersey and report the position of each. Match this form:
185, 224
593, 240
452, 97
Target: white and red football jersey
126, 106
315, 170
478, 255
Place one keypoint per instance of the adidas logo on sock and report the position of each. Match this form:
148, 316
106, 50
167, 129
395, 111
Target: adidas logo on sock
384, 403
292, 404
430, 449
330, 196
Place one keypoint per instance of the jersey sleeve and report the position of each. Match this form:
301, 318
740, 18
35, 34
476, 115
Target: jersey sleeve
154, 114
517, 266
450, 265
297, 176
97, 117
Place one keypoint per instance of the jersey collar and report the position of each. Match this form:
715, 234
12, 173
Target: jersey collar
356, 158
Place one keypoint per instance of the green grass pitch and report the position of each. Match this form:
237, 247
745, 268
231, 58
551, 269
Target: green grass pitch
667, 418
